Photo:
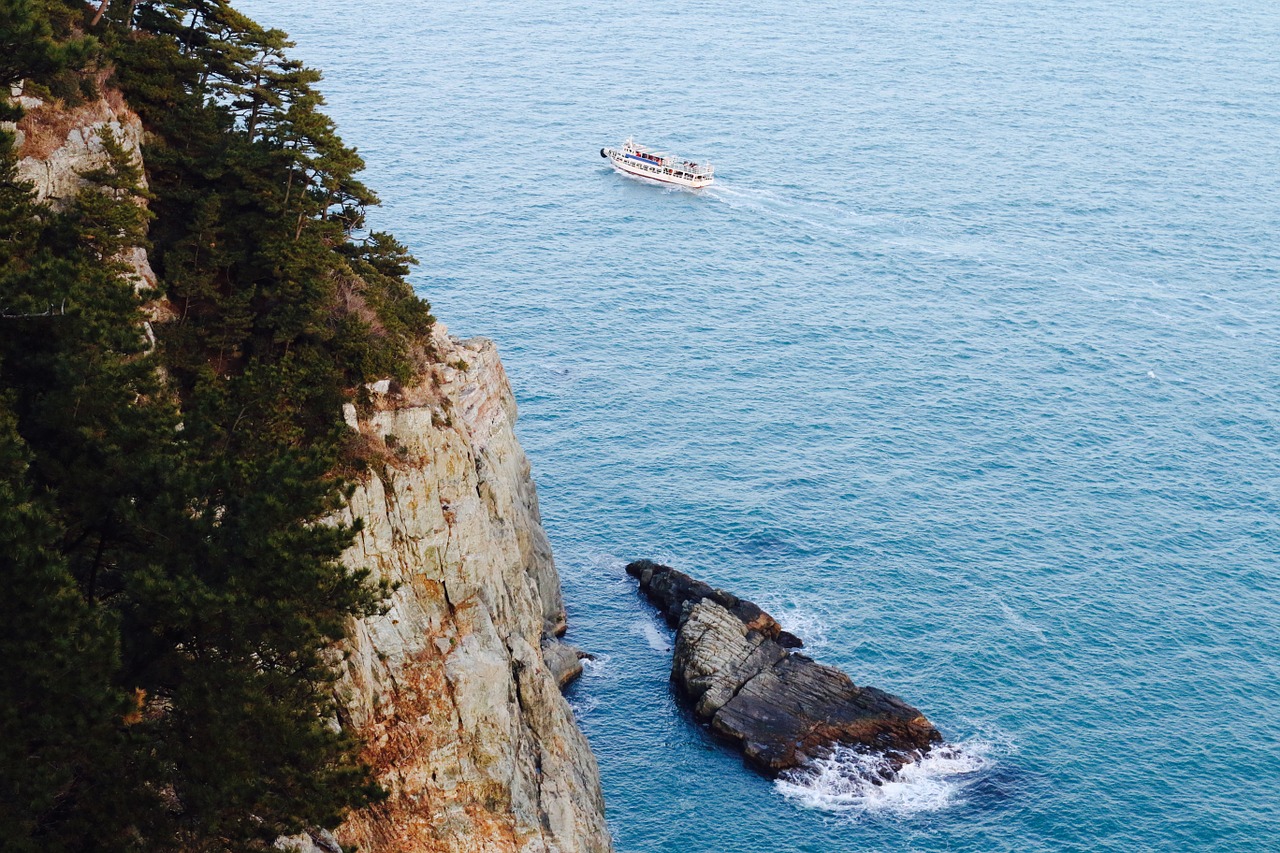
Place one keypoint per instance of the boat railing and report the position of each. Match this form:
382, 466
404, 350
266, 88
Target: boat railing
701, 170
659, 158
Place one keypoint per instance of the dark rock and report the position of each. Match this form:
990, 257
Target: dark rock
788, 640
670, 590
732, 662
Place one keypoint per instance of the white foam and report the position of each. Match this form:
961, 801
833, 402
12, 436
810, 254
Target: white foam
806, 616
596, 666
806, 621
851, 782
583, 706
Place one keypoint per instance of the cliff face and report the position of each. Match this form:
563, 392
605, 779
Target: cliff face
450, 690
462, 717
56, 145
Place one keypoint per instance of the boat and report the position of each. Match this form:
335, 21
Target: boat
640, 162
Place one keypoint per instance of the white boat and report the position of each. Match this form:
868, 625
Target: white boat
636, 160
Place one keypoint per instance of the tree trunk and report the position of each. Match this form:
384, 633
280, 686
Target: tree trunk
102, 8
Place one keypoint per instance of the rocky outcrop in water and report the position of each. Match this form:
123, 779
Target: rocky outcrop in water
735, 665
671, 591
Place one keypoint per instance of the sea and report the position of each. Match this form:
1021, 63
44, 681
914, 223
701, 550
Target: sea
967, 368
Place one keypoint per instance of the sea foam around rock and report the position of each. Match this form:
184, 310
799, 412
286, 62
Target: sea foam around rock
852, 782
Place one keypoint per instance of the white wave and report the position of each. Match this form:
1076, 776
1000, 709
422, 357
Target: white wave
852, 782
583, 706
596, 666
805, 620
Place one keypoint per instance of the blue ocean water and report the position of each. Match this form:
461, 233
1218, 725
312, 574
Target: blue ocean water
968, 368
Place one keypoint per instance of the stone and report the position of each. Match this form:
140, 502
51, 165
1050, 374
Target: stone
59, 144
564, 660
735, 666
311, 841
670, 590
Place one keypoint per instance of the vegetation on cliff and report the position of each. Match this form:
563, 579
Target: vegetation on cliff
169, 589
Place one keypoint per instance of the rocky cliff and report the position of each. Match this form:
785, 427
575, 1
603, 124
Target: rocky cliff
455, 689
56, 144
450, 690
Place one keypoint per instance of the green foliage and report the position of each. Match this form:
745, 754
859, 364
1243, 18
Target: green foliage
74, 441
40, 42
58, 705
258, 204
171, 585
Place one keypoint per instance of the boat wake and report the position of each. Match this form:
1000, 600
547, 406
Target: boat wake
805, 213
843, 224
854, 783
